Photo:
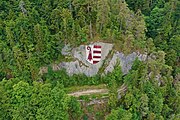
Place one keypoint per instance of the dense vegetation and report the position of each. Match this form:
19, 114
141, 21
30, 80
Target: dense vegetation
33, 32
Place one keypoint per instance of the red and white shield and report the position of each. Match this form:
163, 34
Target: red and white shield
93, 53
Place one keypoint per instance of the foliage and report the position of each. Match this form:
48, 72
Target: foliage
33, 32
38, 101
119, 114
149, 96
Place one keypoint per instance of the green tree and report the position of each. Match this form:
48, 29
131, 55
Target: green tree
119, 114
20, 101
103, 10
171, 57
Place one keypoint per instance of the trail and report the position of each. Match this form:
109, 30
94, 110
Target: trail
123, 88
89, 92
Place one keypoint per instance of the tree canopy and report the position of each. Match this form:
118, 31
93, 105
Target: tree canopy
33, 33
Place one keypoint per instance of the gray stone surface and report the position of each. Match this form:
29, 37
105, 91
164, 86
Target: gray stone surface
66, 50
126, 61
80, 65
111, 64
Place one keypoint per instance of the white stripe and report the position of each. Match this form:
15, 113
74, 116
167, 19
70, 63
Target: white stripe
96, 49
96, 59
96, 54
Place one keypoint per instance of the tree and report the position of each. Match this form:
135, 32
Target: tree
154, 21
144, 108
103, 10
67, 23
119, 114
5, 98
20, 101
171, 57
113, 96
74, 109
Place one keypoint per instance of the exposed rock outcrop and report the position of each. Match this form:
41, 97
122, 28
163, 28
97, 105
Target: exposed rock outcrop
66, 50
126, 61
81, 66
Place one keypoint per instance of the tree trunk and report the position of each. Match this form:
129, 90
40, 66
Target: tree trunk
90, 30
90, 24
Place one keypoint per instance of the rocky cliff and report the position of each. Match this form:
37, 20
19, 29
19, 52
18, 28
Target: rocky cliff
79, 64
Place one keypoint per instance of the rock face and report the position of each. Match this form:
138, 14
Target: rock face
126, 61
81, 66
66, 50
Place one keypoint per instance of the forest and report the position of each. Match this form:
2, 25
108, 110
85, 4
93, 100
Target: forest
33, 33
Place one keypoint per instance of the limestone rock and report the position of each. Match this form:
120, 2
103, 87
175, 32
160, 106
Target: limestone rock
80, 65
126, 61
111, 64
66, 50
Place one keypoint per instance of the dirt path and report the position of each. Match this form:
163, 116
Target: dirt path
96, 91
89, 92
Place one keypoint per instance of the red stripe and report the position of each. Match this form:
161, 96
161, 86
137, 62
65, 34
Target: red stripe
97, 46
96, 51
96, 56
94, 62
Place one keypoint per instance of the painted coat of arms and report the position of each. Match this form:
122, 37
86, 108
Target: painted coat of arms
93, 53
